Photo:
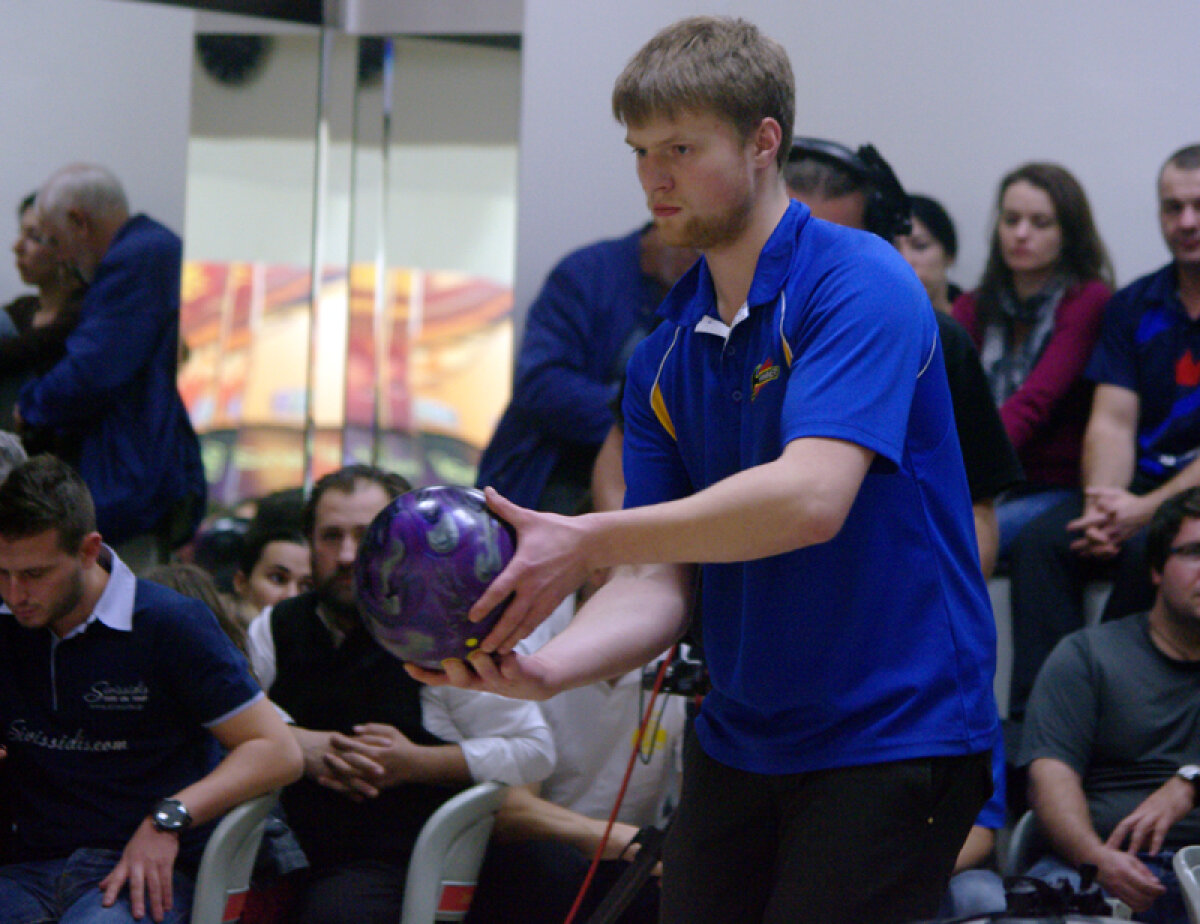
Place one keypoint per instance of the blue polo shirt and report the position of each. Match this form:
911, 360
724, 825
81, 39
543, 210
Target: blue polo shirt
879, 644
1149, 345
103, 723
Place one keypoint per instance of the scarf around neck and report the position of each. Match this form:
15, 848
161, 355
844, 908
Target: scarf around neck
1007, 366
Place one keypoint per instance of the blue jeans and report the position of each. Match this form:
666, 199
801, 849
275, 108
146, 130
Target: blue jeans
1017, 509
68, 892
1167, 909
973, 892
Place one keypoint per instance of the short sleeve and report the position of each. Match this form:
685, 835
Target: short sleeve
1061, 716
860, 340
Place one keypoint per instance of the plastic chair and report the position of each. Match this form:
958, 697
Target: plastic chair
224, 875
1186, 861
444, 868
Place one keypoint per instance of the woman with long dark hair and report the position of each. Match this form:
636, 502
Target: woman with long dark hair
1035, 318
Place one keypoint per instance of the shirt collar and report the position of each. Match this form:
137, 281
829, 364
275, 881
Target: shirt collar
693, 296
115, 606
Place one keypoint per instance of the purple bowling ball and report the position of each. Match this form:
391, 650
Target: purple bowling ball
425, 559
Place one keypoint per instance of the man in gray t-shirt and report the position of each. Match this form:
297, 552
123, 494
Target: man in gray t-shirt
1112, 731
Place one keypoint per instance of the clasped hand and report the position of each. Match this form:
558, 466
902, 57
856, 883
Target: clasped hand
363, 764
1110, 517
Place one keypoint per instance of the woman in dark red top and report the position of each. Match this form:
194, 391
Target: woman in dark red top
1035, 318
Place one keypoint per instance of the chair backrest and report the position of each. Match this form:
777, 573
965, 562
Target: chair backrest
1023, 843
444, 868
1186, 861
224, 875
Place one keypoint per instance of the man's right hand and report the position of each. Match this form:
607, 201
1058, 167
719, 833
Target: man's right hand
550, 564
1124, 876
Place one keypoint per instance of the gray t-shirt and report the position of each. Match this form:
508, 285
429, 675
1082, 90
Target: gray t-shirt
1120, 713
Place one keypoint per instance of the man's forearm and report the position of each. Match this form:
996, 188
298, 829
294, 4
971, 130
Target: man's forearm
526, 817
1057, 798
800, 499
634, 617
250, 769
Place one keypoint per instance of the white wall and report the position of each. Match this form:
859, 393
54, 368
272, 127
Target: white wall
94, 80
952, 92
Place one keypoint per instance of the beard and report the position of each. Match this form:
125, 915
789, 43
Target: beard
715, 230
338, 599
66, 604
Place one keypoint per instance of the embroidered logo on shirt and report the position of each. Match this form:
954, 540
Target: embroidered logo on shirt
764, 372
105, 695
1187, 371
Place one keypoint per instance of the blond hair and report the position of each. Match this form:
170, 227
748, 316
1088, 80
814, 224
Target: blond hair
710, 64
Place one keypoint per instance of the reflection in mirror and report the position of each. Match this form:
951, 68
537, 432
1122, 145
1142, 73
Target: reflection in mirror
414, 205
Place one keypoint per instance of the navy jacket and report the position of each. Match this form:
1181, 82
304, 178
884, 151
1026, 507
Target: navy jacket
594, 307
115, 392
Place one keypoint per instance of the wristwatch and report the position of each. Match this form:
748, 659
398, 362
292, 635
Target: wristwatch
172, 815
1190, 772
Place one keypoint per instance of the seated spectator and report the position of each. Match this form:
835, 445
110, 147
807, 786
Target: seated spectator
1035, 318
1110, 733
275, 563
115, 769
1140, 446
381, 751
930, 249
39, 323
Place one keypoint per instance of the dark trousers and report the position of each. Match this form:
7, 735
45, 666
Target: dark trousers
358, 892
1048, 579
536, 882
871, 843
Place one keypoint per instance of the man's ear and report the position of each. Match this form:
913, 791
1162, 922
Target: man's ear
89, 548
766, 140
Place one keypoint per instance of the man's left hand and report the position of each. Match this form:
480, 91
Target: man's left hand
146, 866
1145, 828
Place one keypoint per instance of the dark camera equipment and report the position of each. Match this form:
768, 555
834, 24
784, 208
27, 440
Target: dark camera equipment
1034, 901
889, 213
686, 676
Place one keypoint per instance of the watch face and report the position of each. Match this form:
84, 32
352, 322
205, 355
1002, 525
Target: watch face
1190, 772
170, 815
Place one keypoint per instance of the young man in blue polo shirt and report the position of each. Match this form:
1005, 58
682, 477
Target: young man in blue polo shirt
789, 427
114, 694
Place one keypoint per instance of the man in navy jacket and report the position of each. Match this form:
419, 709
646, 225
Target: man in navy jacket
113, 397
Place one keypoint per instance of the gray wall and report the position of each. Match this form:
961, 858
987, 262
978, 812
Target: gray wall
952, 92
96, 80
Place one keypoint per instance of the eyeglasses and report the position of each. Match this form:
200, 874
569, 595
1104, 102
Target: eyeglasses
1189, 551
